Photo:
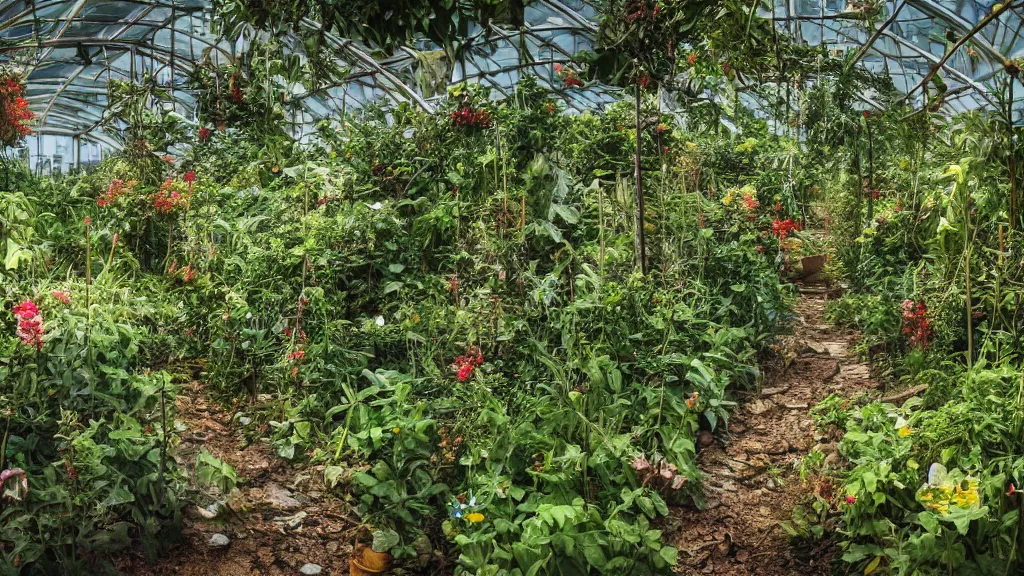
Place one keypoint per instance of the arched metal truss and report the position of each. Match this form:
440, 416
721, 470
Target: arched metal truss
962, 42
71, 49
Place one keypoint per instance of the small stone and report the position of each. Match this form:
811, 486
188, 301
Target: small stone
311, 569
776, 447
219, 541
244, 420
812, 347
770, 484
281, 498
825, 449
759, 406
293, 522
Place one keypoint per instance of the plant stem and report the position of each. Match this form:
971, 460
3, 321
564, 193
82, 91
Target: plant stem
640, 233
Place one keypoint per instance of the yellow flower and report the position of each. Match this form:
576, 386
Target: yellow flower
396, 430
905, 431
727, 200
475, 517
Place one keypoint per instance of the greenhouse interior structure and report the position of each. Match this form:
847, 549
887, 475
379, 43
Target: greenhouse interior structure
511, 287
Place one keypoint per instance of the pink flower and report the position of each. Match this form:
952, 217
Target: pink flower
558, 68
851, 499
14, 484
61, 296
640, 463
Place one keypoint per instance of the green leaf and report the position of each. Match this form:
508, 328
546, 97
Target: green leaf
332, 474
384, 540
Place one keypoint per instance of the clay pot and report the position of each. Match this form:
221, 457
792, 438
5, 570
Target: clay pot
366, 562
812, 265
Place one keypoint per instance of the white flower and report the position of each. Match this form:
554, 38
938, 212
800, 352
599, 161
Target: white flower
248, 316
380, 320
376, 205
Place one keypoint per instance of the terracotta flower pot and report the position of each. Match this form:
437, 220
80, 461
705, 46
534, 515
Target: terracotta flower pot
366, 562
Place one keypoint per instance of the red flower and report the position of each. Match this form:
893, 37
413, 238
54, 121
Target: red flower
1011, 490
236, 94
916, 323
61, 296
190, 176
297, 355
116, 189
471, 118
30, 324
750, 202
26, 309
783, 228
851, 499
867, 114
572, 82
15, 113
692, 58
204, 134
643, 81
466, 365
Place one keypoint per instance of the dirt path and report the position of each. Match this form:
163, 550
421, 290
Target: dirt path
283, 519
278, 521
751, 477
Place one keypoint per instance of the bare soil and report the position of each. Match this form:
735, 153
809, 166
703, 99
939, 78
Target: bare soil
282, 518
278, 519
751, 473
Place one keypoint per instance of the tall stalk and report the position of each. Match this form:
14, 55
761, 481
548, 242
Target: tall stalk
871, 175
967, 273
1011, 160
641, 239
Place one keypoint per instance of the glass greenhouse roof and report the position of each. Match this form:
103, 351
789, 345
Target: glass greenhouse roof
70, 49
964, 42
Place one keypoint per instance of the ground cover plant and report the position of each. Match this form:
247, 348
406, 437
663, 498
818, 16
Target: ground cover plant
928, 241
444, 312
